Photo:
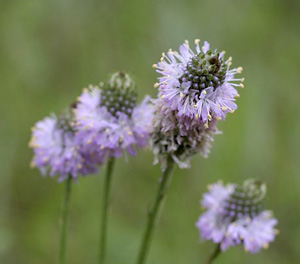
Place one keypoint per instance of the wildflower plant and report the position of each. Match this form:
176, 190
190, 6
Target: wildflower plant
105, 123
235, 215
57, 152
196, 89
110, 123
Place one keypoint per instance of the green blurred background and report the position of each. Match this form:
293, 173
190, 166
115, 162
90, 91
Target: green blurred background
51, 49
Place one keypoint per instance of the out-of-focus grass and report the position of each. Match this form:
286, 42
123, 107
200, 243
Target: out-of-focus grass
50, 50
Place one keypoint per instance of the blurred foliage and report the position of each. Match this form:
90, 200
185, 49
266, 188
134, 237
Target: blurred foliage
51, 49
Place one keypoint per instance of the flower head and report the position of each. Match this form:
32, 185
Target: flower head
236, 215
200, 84
196, 90
109, 119
56, 150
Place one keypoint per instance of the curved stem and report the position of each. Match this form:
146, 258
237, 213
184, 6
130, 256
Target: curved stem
105, 206
153, 214
214, 255
65, 216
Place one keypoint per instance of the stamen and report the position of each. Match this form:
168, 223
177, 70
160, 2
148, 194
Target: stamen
197, 41
32, 164
239, 69
266, 246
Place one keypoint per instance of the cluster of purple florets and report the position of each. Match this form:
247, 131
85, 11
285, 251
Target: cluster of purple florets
56, 150
235, 215
105, 122
196, 90
108, 118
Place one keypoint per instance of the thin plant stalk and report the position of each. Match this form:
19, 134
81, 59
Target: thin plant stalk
65, 219
214, 255
154, 213
105, 207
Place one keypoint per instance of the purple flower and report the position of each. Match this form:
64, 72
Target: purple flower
235, 215
56, 150
196, 90
109, 120
200, 84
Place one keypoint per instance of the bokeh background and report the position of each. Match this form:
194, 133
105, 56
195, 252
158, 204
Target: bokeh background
51, 49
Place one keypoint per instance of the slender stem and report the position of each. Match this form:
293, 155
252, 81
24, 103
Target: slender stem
153, 214
65, 216
214, 255
105, 206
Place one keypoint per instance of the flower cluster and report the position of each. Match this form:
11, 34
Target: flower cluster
235, 215
109, 120
105, 122
56, 150
198, 84
195, 91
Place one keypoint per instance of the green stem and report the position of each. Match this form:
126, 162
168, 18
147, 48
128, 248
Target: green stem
65, 216
153, 214
105, 206
214, 255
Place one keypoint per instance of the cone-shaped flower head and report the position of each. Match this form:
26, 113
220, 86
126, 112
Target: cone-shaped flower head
198, 84
236, 215
196, 90
109, 119
56, 150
